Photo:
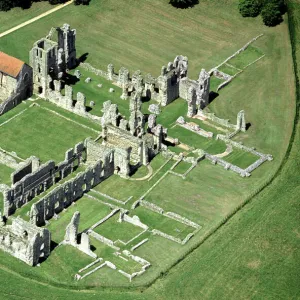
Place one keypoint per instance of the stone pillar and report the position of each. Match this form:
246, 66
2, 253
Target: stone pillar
110, 71
81, 102
191, 100
241, 122
72, 230
85, 242
151, 121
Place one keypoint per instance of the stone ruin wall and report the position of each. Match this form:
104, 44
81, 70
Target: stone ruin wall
102, 163
42, 178
170, 85
123, 139
65, 194
227, 166
65, 101
25, 241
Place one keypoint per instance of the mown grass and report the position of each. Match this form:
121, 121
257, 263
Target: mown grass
228, 70
162, 223
87, 208
114, 230
241, 159
182, 167
99, 95
192, 139
122, 189
246, 57
214, 83
18, 15
5, 173
41, 133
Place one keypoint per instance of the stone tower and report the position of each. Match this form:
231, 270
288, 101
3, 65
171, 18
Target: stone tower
204, 87
169, 80
46, 62
50, 59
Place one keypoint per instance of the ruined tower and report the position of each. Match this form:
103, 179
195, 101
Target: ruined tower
169, 80
203, 89
67, 42
50, 59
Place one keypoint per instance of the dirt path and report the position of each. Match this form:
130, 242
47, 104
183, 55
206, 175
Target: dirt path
35, 18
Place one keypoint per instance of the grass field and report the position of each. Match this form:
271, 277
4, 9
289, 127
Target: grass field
17, 15
247, 57
99, 95
30, 129
114, 230
87, 208
265, 91
241, 159
5, 173
164, 224
192, 139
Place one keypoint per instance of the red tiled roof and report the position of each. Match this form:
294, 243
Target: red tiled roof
10, 65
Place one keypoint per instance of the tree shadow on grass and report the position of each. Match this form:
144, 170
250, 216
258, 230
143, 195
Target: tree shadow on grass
186, 4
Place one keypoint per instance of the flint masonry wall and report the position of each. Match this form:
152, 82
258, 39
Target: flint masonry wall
25, 241
65, 194
41, 179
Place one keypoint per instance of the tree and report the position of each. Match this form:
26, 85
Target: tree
5, 5
271, 14
57, 1
183, 3
280, 3
83, 2
250, 8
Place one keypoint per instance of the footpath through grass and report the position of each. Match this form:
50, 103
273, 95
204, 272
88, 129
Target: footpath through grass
18, 15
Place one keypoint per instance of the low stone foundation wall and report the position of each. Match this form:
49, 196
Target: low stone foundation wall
227, 166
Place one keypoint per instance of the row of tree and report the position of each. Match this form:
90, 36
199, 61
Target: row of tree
6, 5
271, 11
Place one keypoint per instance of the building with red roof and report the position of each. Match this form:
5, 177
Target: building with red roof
15, 82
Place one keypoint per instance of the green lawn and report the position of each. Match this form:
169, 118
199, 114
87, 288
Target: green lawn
17, 15
203, 196
5, 173
30, 129
241, 158
91, 211
99, 95
246, 57
67, 114
122, 189
214, 83
182, 167
162, 223
114, 230
228, 70
192, 139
